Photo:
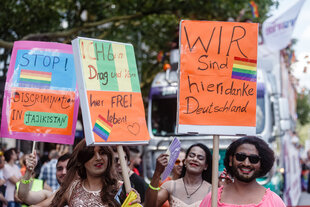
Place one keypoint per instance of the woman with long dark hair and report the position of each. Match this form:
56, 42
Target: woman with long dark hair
90, 178
191, 188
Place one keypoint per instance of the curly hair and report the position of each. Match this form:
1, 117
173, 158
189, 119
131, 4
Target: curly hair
264, 151
76, 170
206, 174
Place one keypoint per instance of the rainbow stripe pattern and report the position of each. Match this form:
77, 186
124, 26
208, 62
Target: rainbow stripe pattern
102, 128
244, 69
35, 78
122, 65
254, 9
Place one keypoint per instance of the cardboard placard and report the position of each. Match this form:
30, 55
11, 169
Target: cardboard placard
111, 101
217, 85
40, 98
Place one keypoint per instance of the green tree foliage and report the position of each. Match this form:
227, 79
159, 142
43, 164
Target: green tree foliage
303, 108
150, 25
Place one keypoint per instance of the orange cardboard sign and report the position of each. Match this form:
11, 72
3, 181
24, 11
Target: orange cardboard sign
120, 110
34, 109
111, 101
217, 93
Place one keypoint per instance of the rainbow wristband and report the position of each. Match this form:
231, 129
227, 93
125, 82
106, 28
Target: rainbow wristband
153, 188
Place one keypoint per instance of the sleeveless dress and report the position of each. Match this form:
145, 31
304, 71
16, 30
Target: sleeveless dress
174, 198
81, 197
176, 202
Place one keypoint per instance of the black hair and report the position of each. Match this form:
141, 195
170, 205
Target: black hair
126, 150
64, 157
266, 154
206, 174
80, 155
134, 150
7, 154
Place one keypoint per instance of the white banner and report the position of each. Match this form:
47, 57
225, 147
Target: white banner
292, 187
278, 30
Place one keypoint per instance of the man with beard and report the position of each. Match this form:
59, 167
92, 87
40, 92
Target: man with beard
246, 159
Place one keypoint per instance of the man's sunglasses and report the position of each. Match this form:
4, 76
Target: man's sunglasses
254, 159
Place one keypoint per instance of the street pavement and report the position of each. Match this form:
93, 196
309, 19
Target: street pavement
304, 200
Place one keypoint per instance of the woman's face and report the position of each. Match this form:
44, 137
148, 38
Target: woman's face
97, 165
196, 160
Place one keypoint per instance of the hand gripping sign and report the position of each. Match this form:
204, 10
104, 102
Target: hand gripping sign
40, 99
111, 101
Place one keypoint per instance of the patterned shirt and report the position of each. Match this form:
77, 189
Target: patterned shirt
48, 174
81, 197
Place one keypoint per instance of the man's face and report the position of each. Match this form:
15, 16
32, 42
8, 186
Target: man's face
61, 170
136, 160
117, 163
245, 169
97, 165
14, 156
177, 169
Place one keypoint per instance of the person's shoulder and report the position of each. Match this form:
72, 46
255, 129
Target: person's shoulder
6, 166
168, 185
7, 169
206, 183
15, 167
206, 202
274, 198
136, 178
53, 161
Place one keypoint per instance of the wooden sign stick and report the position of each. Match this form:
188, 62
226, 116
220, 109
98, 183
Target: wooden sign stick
215, 169
124, 166
33, 146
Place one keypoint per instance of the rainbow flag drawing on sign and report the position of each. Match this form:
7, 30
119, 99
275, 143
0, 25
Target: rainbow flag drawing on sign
35, 78
244, 69
102, 128
123, 75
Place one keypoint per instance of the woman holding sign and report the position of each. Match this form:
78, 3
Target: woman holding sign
90, 179
191, 188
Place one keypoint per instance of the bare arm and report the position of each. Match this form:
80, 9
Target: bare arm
13, 180
24, 192
157, 197
2, 182
45, 203
47, 187
2, 198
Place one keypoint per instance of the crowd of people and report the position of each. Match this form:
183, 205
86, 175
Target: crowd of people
93, 176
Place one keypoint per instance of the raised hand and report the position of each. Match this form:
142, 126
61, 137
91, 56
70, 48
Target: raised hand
31, 161
161, 163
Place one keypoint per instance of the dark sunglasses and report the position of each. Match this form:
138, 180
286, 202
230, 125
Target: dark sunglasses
254, 159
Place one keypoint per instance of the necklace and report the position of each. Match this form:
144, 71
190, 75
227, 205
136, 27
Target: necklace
189, 195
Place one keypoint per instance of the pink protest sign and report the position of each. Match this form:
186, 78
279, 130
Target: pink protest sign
40, 99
